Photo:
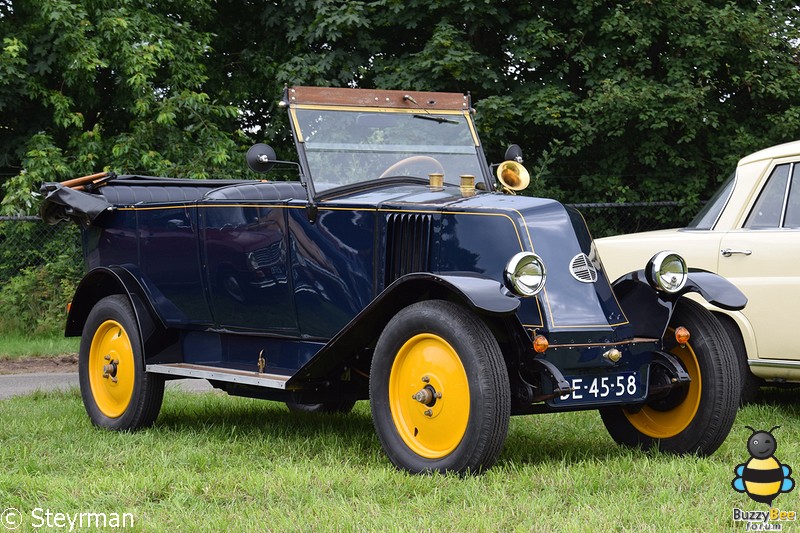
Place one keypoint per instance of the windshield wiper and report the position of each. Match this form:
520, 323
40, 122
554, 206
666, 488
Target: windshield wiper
440, 120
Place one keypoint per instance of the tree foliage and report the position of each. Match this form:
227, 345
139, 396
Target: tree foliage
100, 84
624, 101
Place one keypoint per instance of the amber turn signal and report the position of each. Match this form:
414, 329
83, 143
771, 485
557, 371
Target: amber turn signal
682, 335
540, 344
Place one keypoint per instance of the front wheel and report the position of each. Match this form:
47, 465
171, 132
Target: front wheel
439, 390
751, 385
117, 392
695, 418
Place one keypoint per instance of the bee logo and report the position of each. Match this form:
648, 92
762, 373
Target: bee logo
762, 477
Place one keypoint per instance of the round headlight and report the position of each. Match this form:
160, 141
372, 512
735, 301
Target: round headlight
667, 272
525, 274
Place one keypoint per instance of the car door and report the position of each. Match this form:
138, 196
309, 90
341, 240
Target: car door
170, 263
762, 258
333, 262
247, 265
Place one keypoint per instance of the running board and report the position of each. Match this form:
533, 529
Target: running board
213, 373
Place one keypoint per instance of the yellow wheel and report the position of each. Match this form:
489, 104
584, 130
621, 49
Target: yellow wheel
117, 392
111, 369
661, 423
439, 390
429, 396
695, 417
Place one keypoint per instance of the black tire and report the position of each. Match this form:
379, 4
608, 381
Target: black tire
117, 392
751, 385
340, 406
439, 347
711, 353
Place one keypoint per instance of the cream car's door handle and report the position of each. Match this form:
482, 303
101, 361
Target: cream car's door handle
727, 252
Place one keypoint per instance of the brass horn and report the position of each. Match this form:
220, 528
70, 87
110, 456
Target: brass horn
512, 176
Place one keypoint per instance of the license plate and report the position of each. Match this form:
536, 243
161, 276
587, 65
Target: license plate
595, 389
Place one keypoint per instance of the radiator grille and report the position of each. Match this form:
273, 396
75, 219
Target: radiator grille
408, 243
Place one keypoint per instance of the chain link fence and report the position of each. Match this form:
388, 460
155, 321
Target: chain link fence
40, 267
607, 219
27, 242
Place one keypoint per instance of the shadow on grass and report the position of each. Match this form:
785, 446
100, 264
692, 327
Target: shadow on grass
576, 437
222, 417
787, 398
566, 438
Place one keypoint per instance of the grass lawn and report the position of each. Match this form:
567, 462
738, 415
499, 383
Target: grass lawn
214, 462
15, 345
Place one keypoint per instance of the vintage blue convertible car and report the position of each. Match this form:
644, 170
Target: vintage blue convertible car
399, 268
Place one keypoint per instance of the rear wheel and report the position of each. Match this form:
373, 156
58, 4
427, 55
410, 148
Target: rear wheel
340, 406
439, 390
117, 392
695, 418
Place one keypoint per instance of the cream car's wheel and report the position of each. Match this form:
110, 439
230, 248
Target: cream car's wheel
439, 390
694, 418
117, 392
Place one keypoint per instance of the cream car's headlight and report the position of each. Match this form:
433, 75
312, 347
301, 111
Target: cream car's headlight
666, 271
525, 274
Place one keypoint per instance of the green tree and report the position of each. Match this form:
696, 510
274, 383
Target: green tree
628, 101
98, 84
634, 101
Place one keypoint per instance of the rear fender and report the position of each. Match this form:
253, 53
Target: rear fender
107, 281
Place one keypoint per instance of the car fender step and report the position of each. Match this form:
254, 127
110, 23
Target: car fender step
272, 381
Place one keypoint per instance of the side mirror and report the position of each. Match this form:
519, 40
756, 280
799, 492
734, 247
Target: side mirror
261, 157
514, 153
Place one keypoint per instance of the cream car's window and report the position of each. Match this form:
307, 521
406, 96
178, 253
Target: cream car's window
708, 216
769, 206
792, 217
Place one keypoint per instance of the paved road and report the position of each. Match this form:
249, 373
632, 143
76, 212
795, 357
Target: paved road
18, 384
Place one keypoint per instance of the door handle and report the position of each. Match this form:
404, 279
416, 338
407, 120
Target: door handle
727, 252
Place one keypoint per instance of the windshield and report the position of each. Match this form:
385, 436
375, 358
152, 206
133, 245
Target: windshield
348, 147
708, 216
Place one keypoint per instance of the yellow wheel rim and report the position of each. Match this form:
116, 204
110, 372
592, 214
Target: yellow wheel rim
429, 396
111, 369
665, 424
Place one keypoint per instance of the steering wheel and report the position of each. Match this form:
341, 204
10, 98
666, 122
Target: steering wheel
422, 161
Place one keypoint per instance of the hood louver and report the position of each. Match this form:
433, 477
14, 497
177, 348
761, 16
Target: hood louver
408, 242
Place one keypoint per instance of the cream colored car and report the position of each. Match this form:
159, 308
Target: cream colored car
749, 233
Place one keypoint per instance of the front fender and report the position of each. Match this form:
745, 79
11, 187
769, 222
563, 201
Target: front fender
715, 289
649, 310
482, 295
